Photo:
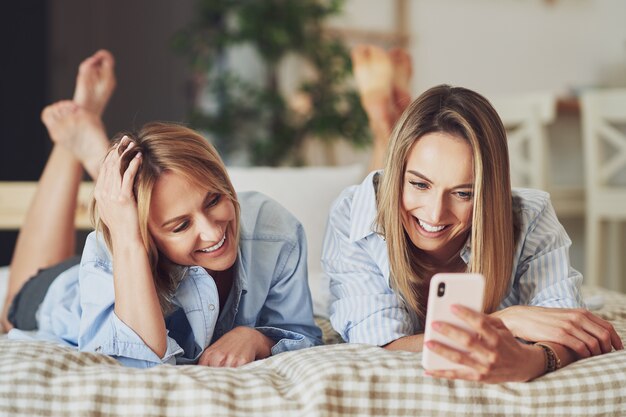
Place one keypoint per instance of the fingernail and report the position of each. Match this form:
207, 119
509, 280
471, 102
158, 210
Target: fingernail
138, 155
455, 308
436, 325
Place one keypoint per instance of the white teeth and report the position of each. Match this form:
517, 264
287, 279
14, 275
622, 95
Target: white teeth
429, 228
216, 246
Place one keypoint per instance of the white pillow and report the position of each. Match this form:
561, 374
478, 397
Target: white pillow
307, 192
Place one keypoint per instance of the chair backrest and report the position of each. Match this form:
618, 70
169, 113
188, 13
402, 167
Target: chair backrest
525, 118
604, 137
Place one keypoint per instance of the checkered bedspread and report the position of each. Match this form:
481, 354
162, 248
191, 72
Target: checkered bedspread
333, 380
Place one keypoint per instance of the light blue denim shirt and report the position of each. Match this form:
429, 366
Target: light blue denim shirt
270, 293
365, 309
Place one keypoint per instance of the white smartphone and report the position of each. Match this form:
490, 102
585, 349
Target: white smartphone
445, 290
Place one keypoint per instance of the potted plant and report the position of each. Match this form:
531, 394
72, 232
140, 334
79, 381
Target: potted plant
255, 116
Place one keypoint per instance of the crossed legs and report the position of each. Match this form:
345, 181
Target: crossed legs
47, 236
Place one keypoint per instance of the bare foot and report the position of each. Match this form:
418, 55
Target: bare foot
373, 73
401, 82
95, 82
79, 131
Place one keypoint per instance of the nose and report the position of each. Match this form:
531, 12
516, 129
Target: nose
209, 230
436, 208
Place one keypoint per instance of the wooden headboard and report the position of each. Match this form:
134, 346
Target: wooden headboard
15, 198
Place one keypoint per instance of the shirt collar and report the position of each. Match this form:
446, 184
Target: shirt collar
240, 277
363, 210
466, 252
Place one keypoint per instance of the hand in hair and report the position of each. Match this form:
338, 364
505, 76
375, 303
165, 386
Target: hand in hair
492, 354
113, 191
577, 329
238, 347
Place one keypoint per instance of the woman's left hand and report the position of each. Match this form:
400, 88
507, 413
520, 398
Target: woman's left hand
238, 347
578, 329
492, 353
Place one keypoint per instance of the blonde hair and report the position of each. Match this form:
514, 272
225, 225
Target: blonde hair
464, 114
167, 147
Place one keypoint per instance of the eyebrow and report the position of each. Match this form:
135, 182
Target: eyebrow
209, 194
425, 178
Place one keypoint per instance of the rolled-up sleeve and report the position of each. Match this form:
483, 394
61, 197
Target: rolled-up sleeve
364, 309
544, 273
287, 314
100, 329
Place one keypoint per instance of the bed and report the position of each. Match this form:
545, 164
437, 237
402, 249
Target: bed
336, 379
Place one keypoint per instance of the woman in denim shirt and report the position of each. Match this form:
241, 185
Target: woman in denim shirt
180, 270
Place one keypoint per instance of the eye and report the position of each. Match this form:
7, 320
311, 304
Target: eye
419, 185
465, 195
181, 227
213, 201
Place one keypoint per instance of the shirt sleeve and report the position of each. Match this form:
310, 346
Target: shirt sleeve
364, 309
100, 329
544, 273
287, 314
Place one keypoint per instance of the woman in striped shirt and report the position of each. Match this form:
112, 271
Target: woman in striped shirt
444, 204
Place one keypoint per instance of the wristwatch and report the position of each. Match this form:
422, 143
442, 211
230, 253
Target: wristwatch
552, 360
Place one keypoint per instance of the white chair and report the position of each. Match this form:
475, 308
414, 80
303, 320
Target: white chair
604, 138
526, 118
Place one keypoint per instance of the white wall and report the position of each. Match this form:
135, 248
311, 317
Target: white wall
511, 46
507, 46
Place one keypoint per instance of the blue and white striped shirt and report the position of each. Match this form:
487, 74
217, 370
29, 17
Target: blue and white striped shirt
364, 308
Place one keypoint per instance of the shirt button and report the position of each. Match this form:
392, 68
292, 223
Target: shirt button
211, 307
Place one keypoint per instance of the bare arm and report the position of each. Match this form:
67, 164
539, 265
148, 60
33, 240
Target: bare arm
414, 343
578, 330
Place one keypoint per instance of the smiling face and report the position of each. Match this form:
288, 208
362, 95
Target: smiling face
191, 226
437, 196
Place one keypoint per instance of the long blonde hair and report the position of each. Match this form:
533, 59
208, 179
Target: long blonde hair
465, 114
167, 147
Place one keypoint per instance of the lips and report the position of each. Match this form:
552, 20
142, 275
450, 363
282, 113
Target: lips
429, 227
429, 230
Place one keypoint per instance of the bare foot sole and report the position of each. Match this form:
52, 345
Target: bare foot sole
402, 72
95, 82
79, 131
373, 74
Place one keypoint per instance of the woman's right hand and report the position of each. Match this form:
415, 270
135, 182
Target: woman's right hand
113, 191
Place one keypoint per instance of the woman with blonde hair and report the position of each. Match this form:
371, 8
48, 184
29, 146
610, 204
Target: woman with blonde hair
180, 269
444, 203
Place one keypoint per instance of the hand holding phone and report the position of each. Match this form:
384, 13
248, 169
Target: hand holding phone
447, 289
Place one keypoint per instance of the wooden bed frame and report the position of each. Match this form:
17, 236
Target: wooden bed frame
15, 198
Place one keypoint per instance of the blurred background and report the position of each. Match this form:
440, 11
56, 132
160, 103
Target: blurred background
270, 81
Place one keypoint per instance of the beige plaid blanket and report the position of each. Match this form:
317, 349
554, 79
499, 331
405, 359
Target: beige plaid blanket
38, 379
